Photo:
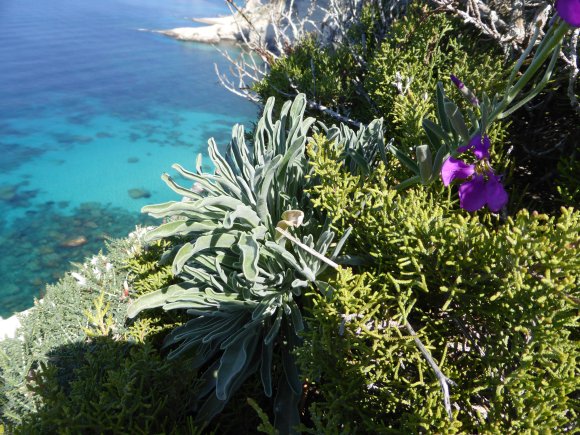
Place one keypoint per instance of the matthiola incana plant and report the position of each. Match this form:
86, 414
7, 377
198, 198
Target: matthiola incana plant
450, 136
241, 282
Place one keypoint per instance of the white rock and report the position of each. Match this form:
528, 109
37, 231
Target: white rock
235, 27
208, 34
213, 20
8, 327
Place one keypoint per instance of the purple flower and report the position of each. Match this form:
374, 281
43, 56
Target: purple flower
569, 11
480, 147
482, 187
457, 82
478, 192
455, 168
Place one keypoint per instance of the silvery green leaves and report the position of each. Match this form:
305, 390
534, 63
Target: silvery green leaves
241, 282
362, 148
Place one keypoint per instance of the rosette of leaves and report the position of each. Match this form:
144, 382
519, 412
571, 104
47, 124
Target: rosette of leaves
361, 150
242, 281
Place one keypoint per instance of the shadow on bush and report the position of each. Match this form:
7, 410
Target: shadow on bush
108, 386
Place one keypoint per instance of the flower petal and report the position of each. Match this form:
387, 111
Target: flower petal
455, 168
569, 11
472, 194
480, 146
495, 194
457, 82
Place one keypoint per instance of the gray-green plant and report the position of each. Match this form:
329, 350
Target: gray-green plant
241, 279
57, 320
75, 366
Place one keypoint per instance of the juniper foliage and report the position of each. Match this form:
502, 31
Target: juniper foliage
495, 303
392, 78
75, 366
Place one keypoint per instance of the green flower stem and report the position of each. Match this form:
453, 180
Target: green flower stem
524, 56
307, 248
551, 42
538, 88
541, 55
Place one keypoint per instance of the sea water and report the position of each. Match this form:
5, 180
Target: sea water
93, 109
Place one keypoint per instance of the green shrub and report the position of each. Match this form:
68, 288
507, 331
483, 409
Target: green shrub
322, 73
421, 49
75, 366
56, 320
398, 77
494, 302
113, 387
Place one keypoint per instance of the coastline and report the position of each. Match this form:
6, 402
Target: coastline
250, 24
232, 28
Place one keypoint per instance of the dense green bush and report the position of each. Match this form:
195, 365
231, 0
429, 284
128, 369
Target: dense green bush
75, 366
322, 73
250, 319
422, 49
112, 387
56, 320
495, 302
391, 73
398, 76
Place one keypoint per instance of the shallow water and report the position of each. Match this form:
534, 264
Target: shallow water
92, 111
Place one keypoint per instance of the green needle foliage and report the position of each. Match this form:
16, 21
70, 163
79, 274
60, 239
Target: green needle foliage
421, 49
393, 77
240, 281
75, 367
496, 304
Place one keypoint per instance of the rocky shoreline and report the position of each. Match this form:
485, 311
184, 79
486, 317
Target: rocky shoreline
232, 28
237, 28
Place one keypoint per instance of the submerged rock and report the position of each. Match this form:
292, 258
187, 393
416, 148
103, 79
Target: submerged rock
91, 224
7, 193
74, 242
139, 193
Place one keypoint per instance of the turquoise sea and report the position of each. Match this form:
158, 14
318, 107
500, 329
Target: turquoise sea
92, 111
